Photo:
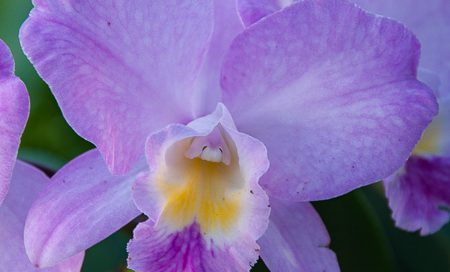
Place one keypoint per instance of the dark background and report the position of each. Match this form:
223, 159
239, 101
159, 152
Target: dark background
362, 232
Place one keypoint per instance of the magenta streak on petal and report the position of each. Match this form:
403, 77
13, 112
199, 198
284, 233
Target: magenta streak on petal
153, 250
187, 250
419, 195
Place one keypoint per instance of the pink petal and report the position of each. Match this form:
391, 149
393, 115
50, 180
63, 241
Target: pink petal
430, 21
14, 109
119, 69
419, 194
333, 96
27, 182
83, 205
157, 251
296, 240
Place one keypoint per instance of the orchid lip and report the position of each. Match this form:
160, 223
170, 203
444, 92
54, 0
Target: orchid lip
202, 196
201, 182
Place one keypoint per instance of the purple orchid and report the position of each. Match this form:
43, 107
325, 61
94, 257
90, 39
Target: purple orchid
26, 181
419, 194
327, 89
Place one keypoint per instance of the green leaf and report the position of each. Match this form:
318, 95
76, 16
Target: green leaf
357, 236
109, 255
414, 253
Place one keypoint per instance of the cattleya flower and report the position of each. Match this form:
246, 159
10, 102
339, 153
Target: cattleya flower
26, 181
419, 194
322, 90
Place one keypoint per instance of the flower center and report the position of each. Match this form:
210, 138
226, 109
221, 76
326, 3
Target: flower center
201, 182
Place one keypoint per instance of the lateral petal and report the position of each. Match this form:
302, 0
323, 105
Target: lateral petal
430, 21
83, 205
27, 182
334, 96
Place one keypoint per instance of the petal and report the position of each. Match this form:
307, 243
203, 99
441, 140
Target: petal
430, 21
419, 194
6, 61
121, 69
14, 109
296, 240
227, 25
212, 232
186, 250
333, 97
27, 182
252, 11
83, 205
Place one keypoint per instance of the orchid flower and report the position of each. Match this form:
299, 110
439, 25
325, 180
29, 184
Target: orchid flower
322, 90
419, 193
26, 181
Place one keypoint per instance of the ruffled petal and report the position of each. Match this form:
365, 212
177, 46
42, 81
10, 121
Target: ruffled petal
27, 182
120, 70
83, 205
333, 96
430, 21
419, 195
296, 240
14, 109
208, 214
186, 250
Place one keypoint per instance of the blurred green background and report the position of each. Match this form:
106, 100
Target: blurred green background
362, 232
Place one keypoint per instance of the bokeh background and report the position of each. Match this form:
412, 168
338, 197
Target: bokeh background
363, 234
